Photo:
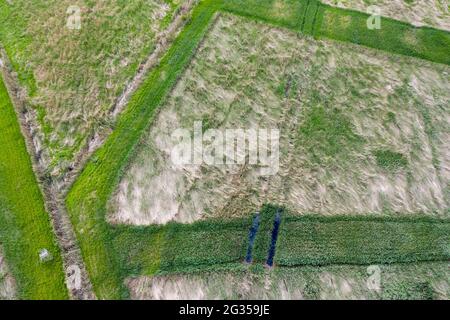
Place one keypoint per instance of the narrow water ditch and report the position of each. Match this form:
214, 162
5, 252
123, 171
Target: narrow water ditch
251, 237
273, 243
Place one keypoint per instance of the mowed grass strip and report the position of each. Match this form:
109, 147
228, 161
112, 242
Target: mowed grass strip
179, 247
313, 240
24, 224
323, 21
393, 36
86, 201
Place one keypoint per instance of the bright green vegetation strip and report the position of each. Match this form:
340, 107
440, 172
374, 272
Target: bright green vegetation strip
310, 16
283, 13
365, 240
67, 86
204, 244
176, 248
86, 202
393, 36
315, 18
24, 224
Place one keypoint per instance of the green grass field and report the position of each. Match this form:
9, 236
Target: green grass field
394, 36
149, 250
73, 77
24, 224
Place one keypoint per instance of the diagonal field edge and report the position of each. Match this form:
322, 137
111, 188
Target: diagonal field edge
25, 226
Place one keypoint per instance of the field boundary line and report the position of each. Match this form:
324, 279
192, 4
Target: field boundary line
61, 225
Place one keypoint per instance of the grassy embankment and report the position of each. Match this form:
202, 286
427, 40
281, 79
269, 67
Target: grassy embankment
313, 240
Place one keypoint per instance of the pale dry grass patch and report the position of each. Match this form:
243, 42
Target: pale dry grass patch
167, 289
334, 282
337, 106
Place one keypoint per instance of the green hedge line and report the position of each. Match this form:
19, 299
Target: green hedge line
179, 247
221, 244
